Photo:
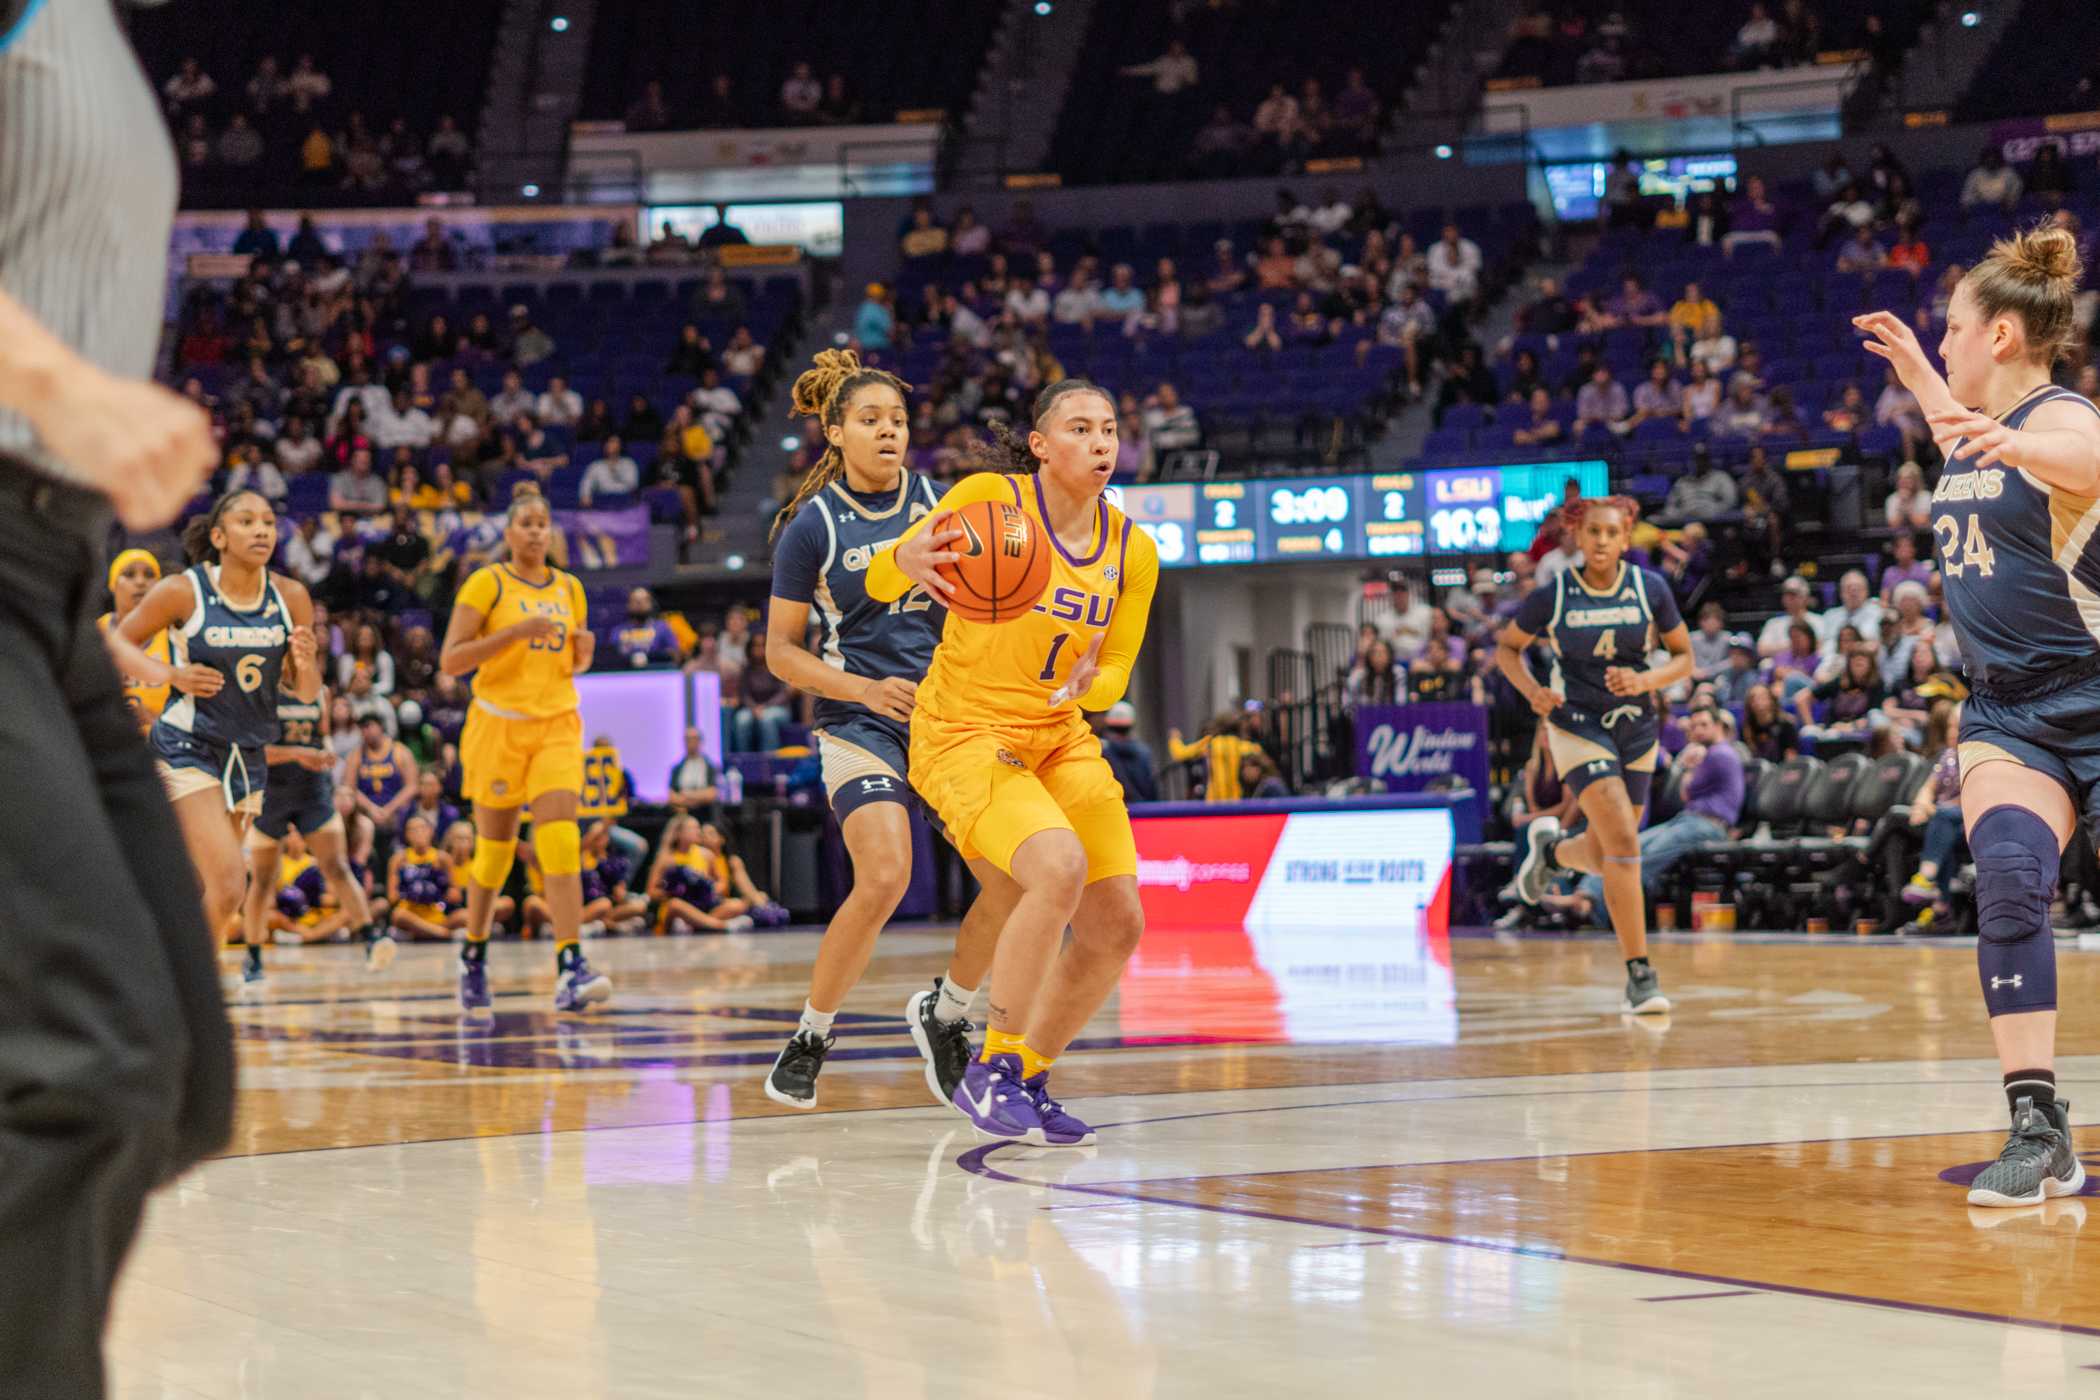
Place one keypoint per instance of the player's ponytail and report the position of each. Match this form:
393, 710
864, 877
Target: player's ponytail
822, 392
2033, 275
196, 535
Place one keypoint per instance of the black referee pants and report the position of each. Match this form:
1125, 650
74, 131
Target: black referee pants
116, 1060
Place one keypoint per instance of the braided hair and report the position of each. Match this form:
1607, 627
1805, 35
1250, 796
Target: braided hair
1008, 451
196, 535
822, 392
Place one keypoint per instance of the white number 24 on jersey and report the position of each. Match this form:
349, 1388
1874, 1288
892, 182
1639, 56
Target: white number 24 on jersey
1957, 554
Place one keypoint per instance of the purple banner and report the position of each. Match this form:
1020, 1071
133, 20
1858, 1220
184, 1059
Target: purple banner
1405, 748
2077, 134
605, 539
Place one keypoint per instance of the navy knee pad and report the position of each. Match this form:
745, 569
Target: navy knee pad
2016, 858
1637, 786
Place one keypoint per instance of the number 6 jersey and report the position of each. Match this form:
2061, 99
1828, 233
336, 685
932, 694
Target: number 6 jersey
822, 560
1593, 630
2018, 563
247, 646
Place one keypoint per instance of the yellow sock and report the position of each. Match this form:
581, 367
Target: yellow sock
1002, 1043
1033, 1064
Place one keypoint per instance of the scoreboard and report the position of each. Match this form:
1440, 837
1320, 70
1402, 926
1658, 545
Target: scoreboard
1372, 515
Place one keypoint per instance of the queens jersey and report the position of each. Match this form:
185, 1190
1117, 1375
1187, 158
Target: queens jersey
1006, 673
1592, 630
536, 679
823, 560
2018, 562
146, 701
247, 646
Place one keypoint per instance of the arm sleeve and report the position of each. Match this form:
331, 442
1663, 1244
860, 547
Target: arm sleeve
478, 592
1183, 752
800, 558
886, 582
1127, 632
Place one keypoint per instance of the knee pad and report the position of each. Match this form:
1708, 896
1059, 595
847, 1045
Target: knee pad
491, 864
1638, 786
559, 845
2016, 859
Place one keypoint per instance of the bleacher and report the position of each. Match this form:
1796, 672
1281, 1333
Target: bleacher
383, 58
1301, 406
1118, 128
2036, 65
1671, 39
1792, 302
911, 55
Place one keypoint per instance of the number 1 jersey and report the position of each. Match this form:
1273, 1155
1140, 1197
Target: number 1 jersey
2018, 564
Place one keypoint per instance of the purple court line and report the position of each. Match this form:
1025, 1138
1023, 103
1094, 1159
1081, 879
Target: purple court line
973, 1162
1695, 1297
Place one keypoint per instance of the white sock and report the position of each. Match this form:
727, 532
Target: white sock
815, 1021
954, 1003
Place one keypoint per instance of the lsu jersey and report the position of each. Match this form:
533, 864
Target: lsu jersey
536, 679
146, 701
1007, 673
604, 791
823, 560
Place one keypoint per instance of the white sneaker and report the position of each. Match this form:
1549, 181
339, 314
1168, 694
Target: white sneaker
739, 924
1533, 872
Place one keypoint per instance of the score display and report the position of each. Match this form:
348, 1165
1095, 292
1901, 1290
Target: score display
1378, 515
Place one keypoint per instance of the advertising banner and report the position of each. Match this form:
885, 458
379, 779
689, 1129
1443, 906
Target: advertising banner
1766, 92
606, 539
1405, 748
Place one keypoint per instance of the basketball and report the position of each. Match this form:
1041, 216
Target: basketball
1004, 564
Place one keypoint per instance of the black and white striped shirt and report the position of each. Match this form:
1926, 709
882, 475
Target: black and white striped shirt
87, 191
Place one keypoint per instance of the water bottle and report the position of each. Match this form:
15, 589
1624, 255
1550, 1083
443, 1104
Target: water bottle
733, 785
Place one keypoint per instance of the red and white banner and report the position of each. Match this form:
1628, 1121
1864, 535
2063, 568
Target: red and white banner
1299, 927
1377, 868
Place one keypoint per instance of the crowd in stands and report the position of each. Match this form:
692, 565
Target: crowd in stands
1558, 42
1331, 296
281, 130
801, 100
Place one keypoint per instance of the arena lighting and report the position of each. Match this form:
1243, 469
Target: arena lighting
1970, 19
734, 563
559, 24
789, 444
1043, 7
529, 191
1443, 152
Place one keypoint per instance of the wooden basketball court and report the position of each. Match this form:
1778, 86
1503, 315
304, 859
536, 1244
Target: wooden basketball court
1319, 1173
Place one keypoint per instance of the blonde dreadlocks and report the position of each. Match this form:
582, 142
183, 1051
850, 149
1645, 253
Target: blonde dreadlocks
822, 392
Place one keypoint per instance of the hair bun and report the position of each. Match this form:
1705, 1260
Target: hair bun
2048, 255
814, 386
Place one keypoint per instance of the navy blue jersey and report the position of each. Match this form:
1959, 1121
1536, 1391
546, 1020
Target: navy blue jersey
2019, 564
1591, 631
247, 646
823, 559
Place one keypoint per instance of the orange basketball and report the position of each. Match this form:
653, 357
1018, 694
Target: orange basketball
1004, 564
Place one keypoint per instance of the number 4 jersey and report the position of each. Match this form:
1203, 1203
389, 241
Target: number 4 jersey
1592, 630
2018, 562
822, 560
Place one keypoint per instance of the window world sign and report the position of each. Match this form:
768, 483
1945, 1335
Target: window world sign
1371, 515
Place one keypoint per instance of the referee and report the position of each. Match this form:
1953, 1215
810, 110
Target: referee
116, 1061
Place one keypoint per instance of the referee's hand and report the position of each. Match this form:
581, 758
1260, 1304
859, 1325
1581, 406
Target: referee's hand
148, 449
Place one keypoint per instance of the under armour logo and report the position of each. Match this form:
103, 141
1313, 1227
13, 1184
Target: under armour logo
2012, 981
1597, 766
878, 784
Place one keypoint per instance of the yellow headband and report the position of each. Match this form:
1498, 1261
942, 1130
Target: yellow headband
129, 557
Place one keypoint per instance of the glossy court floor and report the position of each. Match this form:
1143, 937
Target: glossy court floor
1330, 1164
